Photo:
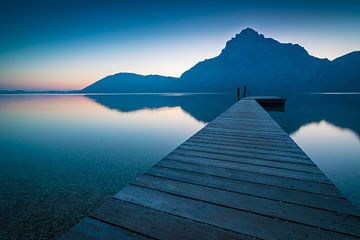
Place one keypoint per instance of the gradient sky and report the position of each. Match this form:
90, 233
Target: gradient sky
70, 44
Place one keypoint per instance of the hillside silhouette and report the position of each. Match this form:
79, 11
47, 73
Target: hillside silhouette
263, 64
130, 82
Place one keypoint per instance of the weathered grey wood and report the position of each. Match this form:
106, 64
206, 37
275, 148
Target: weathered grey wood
260, 169
244, 134
249, 131
254, 144
223, 217
198, 148
157, 224
265, 121
240, 177
249, 126
241, 148
250, 188
232, 161
239, 122
212, 168
251, 135
235, 122
247, 116
254, 204
243, 119
253, 141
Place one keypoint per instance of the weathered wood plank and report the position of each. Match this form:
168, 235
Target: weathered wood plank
234, 161
244, 143
237, 122
248, 126
247, 115
256, 189
249, 131
241, 148
212, 168
243, 119
223, 217
251, 140
260, 169
272, 208
206, 150
158, 224
243, 134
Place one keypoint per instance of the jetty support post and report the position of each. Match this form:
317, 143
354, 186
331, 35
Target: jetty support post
238, 94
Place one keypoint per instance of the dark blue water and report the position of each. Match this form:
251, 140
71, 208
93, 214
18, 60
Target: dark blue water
62, 155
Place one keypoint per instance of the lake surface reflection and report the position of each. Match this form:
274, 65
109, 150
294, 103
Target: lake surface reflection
62, 155
327, 128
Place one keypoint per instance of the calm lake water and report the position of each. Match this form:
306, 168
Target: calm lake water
327, 128
62, 155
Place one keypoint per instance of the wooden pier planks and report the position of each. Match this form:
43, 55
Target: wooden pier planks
240, 177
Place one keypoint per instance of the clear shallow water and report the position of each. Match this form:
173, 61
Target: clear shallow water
62, 155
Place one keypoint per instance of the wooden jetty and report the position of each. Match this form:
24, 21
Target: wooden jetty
240, 177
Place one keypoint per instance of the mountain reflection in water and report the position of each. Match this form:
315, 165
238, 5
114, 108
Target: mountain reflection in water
62, 155
325, 126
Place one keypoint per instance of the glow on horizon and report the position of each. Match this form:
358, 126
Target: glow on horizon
66, 68
71, 69
168, 48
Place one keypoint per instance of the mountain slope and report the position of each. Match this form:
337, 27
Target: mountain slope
130, 82
263, 64
346, 69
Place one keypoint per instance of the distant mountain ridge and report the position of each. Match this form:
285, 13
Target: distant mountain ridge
131, 82
263, 64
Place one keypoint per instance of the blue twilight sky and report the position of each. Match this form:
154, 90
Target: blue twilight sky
70, 44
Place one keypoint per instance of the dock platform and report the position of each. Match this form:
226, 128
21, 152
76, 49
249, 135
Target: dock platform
240, 177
